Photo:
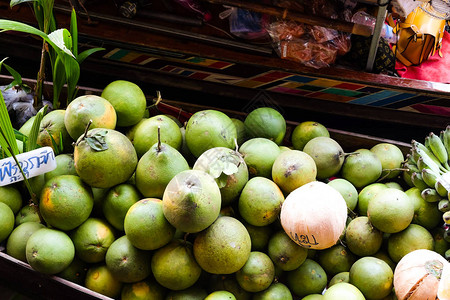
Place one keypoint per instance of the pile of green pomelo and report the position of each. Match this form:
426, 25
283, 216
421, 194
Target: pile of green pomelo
144, 207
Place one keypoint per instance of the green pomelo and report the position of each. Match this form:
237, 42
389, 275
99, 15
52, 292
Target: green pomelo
327, 154
390, 210
391, 158
372, 276
284, 252
343, 290
49, 251
393, 184
257, 274
336, 259
156, 168
362, 238
66, 202
259, 236
11, 196
426, 214
224, 247
104, 158
306, 131
37, 184
227, 283
228, 169
89, 108
383, 255
259, 155
92, 239
65, 165
240, 131
117, 202
26, 127
347, 190
101, 280
128, 100
145, 225
361, 168
440, 244
130, 133
99, 197
28, 213
276, 291
339, 277
284, 148
292, 169
220, 295
309, 278
126, 262
207, 129
75, 272
146, 134
366, 195
52, 127
266, 122
192, 293
313, 297
260, 201
174, 265
191, 201
184, 150
143, 290
414, 237
17, 241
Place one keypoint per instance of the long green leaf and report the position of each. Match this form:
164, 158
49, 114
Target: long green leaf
20, 136
86, 53
60, 38
39, 14
17, 80
7, 138
47, 6
55, 39
15, 2
74, 32
34, 132
72, 76
59, 78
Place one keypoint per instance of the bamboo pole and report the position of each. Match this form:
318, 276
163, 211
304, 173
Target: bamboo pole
285, 13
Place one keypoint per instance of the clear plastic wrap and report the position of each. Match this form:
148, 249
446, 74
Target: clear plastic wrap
246, 24
19, 105
313, 46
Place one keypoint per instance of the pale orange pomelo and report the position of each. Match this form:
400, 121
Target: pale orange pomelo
66, 202
89, 108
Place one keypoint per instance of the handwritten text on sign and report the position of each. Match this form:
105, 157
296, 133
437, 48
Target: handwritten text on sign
33, 163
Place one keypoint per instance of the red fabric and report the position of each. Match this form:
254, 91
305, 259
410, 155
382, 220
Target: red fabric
435, 69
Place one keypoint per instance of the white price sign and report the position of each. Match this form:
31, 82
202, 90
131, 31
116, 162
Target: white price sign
33, 163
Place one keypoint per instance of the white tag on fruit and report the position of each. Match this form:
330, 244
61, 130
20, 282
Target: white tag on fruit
33, 163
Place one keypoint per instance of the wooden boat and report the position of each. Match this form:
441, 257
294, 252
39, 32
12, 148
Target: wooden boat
19, 277
198, 64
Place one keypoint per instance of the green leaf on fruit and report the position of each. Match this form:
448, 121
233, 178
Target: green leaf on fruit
97, 141
222, 180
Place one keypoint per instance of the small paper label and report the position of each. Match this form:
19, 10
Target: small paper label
33, 163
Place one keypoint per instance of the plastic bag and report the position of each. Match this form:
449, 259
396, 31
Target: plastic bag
246, 24
342, 43
19, 105
322, 34
286, 31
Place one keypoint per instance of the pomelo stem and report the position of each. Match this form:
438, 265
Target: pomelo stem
389, 171
351, 153
85, 131
159, 138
